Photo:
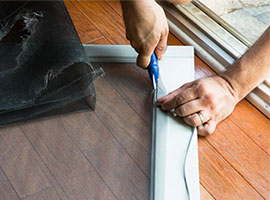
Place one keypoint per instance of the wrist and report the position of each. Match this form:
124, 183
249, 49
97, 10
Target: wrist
229, 86
135, 3
239, 78
135, 8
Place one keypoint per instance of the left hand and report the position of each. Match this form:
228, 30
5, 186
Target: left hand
202, 103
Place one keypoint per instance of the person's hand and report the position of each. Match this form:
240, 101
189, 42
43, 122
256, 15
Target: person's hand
202, 103
179, 2
146, 29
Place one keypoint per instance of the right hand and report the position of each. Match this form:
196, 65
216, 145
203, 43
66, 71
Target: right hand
146, 29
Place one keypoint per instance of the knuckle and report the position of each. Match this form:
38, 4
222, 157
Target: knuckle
210, 99
173, 94
202, 88
166, 31
180, 111
179, 99
214, 109
190, 94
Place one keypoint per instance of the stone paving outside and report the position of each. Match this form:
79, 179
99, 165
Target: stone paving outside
249, 17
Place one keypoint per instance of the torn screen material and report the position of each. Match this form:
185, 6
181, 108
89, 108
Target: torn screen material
43, 67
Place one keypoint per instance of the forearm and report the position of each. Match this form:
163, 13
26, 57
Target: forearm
138, 4
172, 1
251, 69
139, 9
134, 4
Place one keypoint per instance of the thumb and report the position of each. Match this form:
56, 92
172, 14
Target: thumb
161, 47
143, 60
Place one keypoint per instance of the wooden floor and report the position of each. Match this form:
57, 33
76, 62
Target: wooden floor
106, 154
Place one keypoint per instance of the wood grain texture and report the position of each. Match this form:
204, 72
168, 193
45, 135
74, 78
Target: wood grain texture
253, 124
49, 193
105, 19
244, 155
124, 124
6, 189
71, 169
21, 163
85, 28
219, 177
120, 171
204, 194
133, 85
115, 4
86, 135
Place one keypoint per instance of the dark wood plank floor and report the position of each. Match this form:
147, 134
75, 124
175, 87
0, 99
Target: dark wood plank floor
106, 154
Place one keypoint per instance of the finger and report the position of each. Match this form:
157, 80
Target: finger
185, 96
161, 46
168, 99
189, 108
143, 60
181, 97
195, 120
144, 53
207, 129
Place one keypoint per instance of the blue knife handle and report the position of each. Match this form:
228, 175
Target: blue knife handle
153, 68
